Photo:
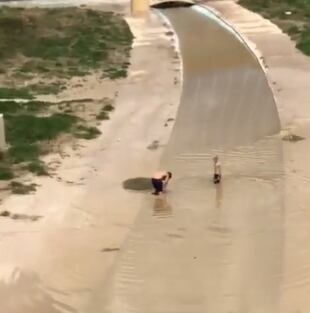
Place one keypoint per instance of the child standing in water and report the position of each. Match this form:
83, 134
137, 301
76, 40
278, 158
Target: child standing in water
217, 170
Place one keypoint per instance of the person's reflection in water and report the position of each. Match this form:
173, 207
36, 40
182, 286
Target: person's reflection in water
217, 224
218, 195
161, 208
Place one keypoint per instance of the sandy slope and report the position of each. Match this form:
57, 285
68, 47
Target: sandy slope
54, 264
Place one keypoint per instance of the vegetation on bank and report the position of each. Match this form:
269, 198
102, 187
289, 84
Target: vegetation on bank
40, 51
32, 128
292, 16
47, 47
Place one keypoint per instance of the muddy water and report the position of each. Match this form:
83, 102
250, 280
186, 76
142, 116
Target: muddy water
205, 248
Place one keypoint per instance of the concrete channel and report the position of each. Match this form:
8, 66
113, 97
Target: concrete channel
203, 248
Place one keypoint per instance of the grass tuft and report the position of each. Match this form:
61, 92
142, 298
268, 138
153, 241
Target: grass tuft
108, 108
6, 172
292, 16
38, 168
22, 189
29, 129
23, 152
85, 132
103, 115
15, 93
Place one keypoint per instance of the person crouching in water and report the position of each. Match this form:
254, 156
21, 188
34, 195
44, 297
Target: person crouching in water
217, 170
160, 181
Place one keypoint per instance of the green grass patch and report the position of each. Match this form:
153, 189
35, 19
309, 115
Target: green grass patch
22, 189
25, 133
15, 93
61, 43
23, 152
303, 43
6, 172
38, 168
116, 73
108, 108
29, 129
102, 115
292, 16
47, 89
15, 107
53, 45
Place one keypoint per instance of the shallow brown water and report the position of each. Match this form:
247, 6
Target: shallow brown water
205, 248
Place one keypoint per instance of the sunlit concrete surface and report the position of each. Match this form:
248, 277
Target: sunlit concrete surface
202, 248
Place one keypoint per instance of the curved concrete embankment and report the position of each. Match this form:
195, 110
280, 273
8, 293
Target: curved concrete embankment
206, 248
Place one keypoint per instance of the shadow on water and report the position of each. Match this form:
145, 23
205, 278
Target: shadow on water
138, 184
221, 249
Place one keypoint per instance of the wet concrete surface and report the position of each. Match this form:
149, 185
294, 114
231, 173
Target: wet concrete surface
201, 247
226, 99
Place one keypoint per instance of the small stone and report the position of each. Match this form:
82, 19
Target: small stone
110, 249
154, 145
292, 138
